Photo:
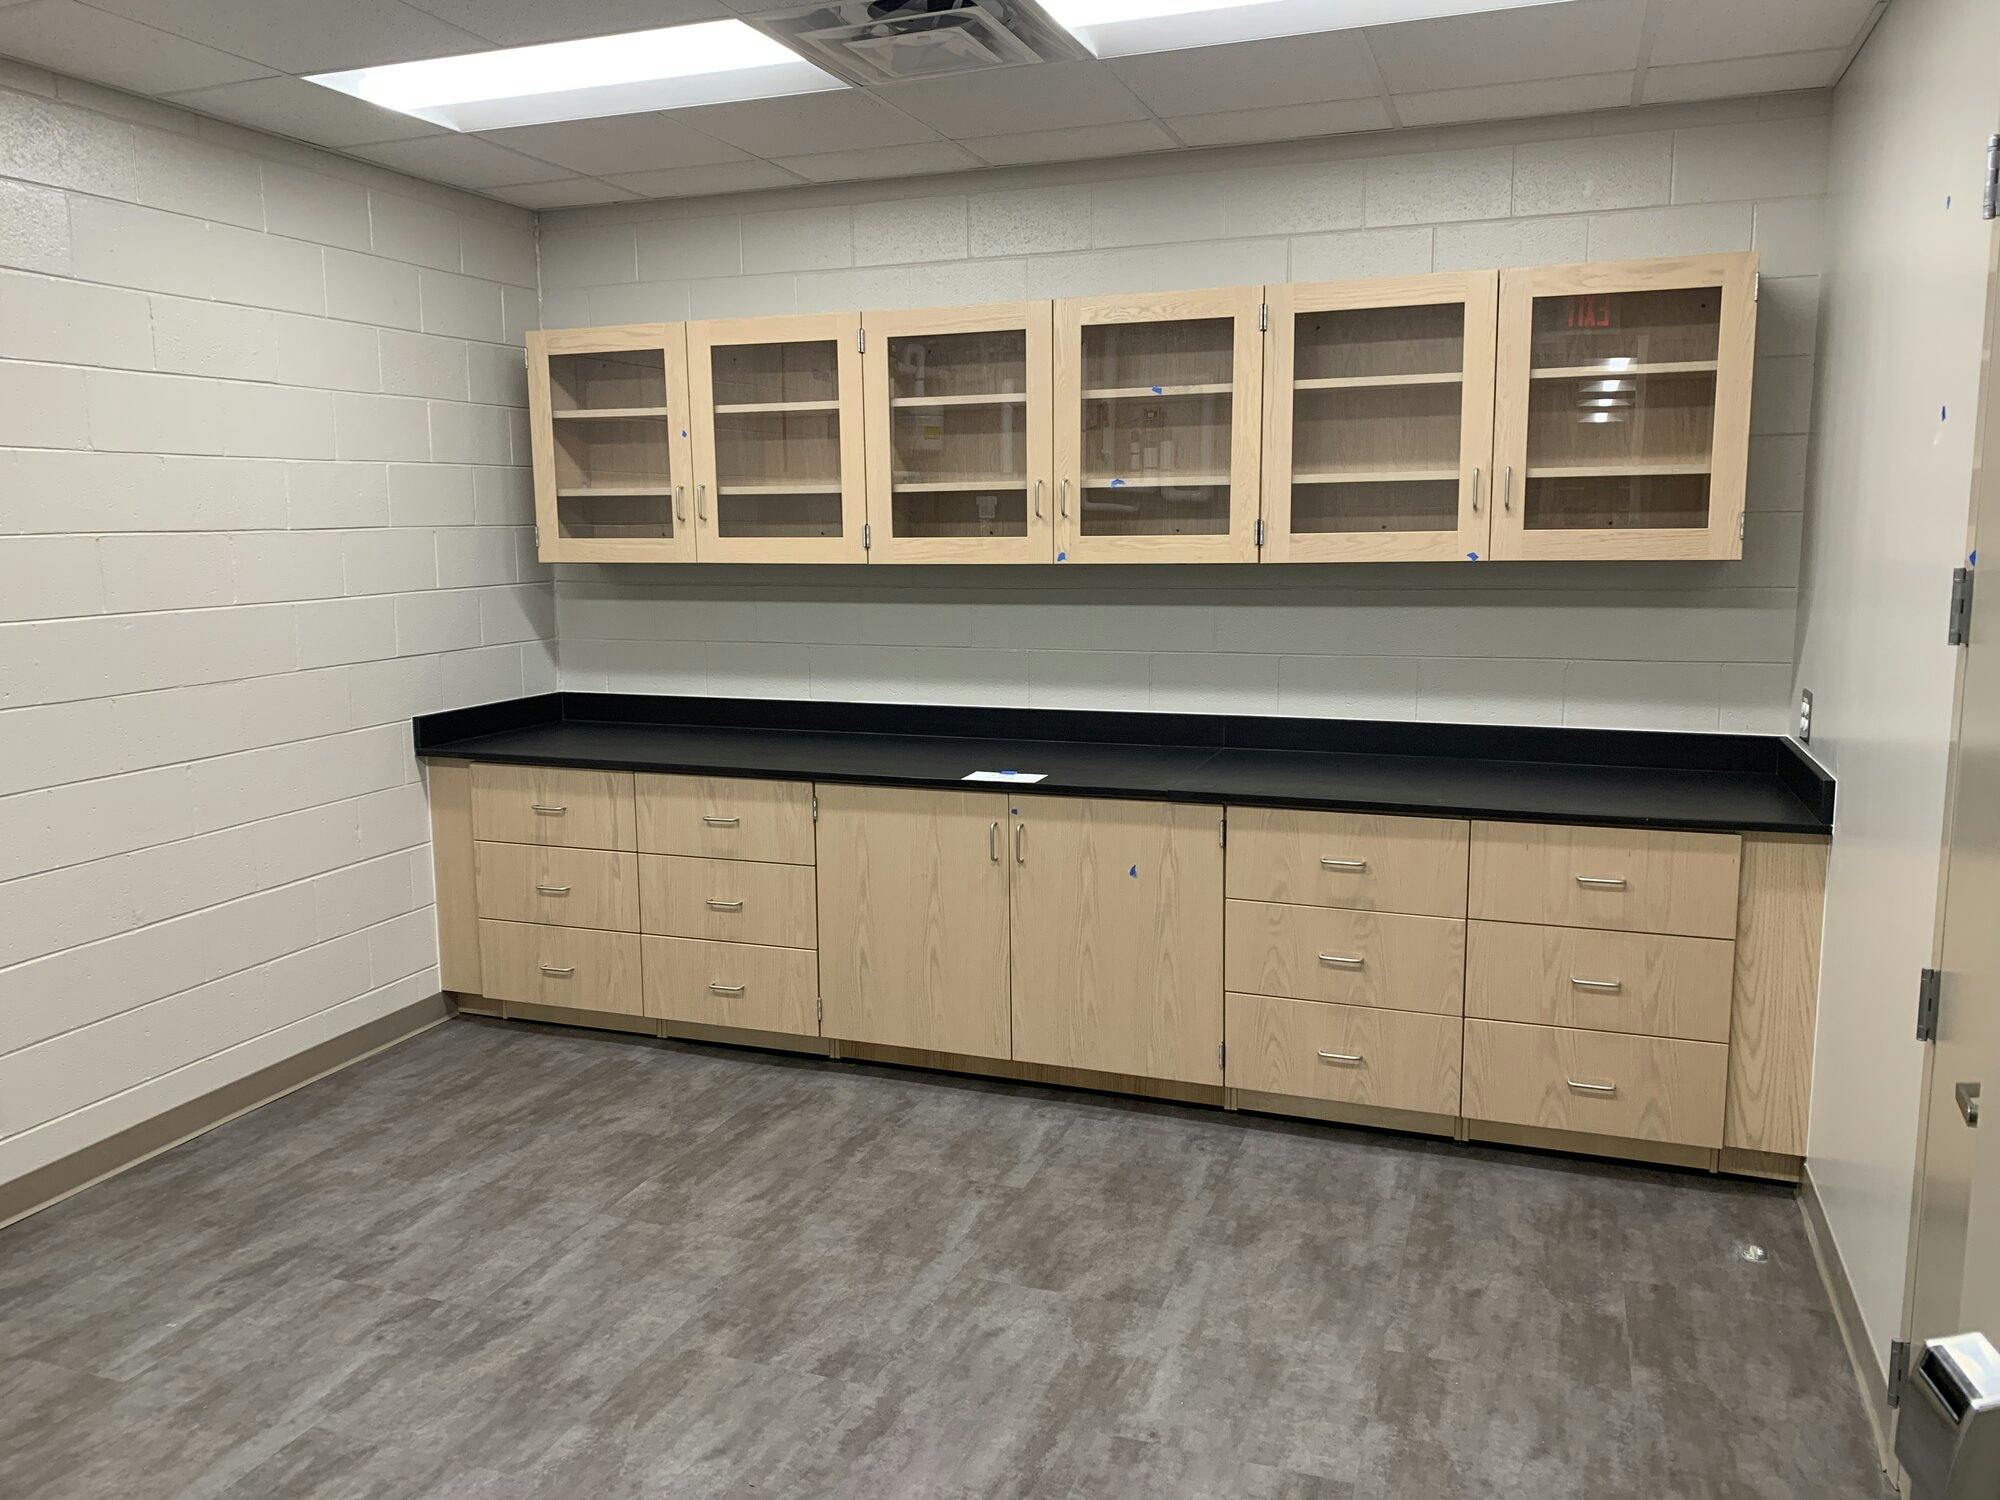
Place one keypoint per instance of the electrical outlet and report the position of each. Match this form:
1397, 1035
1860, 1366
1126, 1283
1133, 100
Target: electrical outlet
1805, 717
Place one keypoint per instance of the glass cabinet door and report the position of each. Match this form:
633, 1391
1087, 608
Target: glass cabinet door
958, 434
777, 438
1623, 414
1379, 423
608, 417
1158, 402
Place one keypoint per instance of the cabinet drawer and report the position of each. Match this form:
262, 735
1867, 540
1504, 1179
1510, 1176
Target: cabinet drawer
1638, 1087
1349, 1054
1630, 879
553, 805
568, 966
562, 887
1604, 981
734, 900
724, 817
1355, 860
1353, 957
733, 984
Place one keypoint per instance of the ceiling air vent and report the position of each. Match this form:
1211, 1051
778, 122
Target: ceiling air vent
888, 41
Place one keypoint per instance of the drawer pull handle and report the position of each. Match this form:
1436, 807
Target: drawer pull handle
1344, 864
1342, 960
993, 841
547, 810
559, 971
1592, 1088
715, 905
725, 989
1596, 984
720, 822
1350, 1059
1602, 882
553, 890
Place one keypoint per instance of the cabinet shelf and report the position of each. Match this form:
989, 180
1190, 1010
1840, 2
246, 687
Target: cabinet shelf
945, 486
1152, 481
1154, 392
754, 408
585, 491
608, 413
1375, 476
998, 398
1615, 471
818, 488
1362, 382
1612, 372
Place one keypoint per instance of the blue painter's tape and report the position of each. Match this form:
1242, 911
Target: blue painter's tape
684, 432
1157, 391
1972, 558
1062, 557
1472, 557
1118, 484
1133, 872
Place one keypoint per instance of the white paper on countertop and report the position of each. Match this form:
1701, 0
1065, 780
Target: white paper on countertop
1006, 776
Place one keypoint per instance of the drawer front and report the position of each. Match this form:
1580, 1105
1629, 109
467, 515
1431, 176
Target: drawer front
730, 900
1630, 879
568, 966
733, 984
1355, 860
553, 805
1349, 1054
1351, 957
1638, 1087
561, 887
1603, 981
724, 817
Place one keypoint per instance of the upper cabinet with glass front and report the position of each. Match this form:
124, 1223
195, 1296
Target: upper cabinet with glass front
958, 434
608, 412
1622, 419
1378, 419
1158, 415
778, 474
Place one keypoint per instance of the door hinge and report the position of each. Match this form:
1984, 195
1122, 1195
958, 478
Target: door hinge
1899, 1369
1222, 1056
1958, 631
815, 807
867, 535
819, 1013
1222, 830
1930, 987
1756, 284
860, 340
1260, 532
1263, 317
1740, 521
1989, 200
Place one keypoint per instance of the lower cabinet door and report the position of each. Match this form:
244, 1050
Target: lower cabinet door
1642, 1088
913, 918
1117, 936
732, 984
533, 964
1347, 1054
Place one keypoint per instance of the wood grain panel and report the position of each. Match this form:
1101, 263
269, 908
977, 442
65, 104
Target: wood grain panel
569, 967
1351, 957
726, 817
1361, 861
732, 984
1660, 1090
1117, 919
727, 900
1670, 882
1347, 1053
1779, 919
913, 888
450, 784
1557, 976
562, 887
582, 809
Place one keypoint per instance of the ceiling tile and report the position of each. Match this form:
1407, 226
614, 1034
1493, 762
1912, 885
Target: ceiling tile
698, 182
849, 120
304, 36
1034, 97
74, 38
1515, 101
1709, 30
1286, 122
882, 161
1070, 145
1251, 75
1743, 75
521, 23
618, 143
305, 111
1509, 46
461, 160
571, 192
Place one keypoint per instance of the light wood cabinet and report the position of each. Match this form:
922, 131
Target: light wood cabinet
1622, 409
1600, 1083
777, 433
726, 817
561, 887
608, 426
1627, 879
1352, 957
553, 805
727, 900
1600, 981
1359, 861
1344, 1054
1158, 412
745, 985
1378, 419
530, 963
1117, 912
958, 434
913, 900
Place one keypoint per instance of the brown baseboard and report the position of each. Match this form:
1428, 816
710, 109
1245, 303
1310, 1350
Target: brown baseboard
1847, 1314
59, 1179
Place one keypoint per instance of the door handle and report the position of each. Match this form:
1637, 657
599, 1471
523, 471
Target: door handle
1064, 490
701, 501
559, 971
716, 822
1343, 864
1595, 984
1341, 961
1020, 843
714, 905
553, 890
680, 509
1475, 489
1591, 1088
1602, 882
993, 842
725, 989
1967, 1095
1349, 1058
546, 809
1038, 499
1507, 491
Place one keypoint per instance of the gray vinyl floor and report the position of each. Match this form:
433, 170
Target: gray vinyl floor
501, 1261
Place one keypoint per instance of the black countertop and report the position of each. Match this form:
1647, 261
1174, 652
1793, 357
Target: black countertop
1725, 782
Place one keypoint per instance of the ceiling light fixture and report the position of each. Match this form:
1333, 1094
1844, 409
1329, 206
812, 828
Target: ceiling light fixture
1119, 28
711, 62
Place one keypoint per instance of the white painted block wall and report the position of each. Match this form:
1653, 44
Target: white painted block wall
1667, 646
262, 498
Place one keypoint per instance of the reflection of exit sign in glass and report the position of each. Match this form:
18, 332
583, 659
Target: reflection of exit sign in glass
1592, 310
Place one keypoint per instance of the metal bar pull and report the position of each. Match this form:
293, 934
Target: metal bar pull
714, 822
547, 810
715, 905
1341, 960
559, 971
1038, 498
1591, 1088
553, 890
701, 501
1350, 1059
1595, 984
1065, 499
680, 510
993, 842
1602, 882
1020, 843
1475, 489
1343, 864
725, 989
1507, 491
1967, 1095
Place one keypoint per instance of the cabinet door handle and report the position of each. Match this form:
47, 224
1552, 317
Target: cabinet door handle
1507, 491
1967, 1097
714, 822
1343, 864
547, 810
701, 501
1020, 843
1349, 1059
1341, 960
1591, 1088
1475, 489
1595, 984
1064, 490
680, 509
559, 971
1602, 882
993, 842
714, 905
725, 989
553, 890
1038, 499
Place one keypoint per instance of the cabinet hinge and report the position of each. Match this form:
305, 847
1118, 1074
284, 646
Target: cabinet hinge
819, 1013
1222, 830
1930, 987
1741, 520
1260, 532
1899, 1369
1222, 1056
1989, 200
1756, 284
815, 807
867, 535
1263, 317
1958, 630
860, 340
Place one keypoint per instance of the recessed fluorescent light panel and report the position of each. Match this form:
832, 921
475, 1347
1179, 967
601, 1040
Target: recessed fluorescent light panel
1119, 28
711, 62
